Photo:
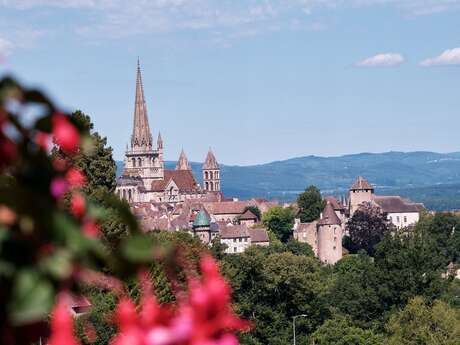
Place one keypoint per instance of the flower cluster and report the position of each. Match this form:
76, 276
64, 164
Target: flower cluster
204, 317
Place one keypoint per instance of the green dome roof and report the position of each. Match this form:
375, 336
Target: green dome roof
201, 220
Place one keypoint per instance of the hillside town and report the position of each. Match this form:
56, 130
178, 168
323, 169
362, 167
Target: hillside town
173, 200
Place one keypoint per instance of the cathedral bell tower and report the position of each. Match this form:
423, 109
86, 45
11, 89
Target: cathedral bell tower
141, 158
211, 173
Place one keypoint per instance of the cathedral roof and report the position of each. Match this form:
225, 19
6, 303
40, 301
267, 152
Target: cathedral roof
201, 220
182, 163
211, 161
361, 184
248, 215
329, 217
182, 178
141, 137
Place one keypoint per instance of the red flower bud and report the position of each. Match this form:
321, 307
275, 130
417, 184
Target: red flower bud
75, 178
42, 140
77, 205
91, 229
65, 134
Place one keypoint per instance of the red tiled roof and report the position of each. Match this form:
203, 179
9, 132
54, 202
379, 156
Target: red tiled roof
396, 204
329, 217
258, 235
361, 184
248, 215
226, 207
184, 180
234, 231
335, 203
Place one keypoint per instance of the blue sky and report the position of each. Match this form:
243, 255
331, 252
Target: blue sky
256, 80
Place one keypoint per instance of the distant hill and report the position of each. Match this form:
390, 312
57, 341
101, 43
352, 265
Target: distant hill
428, 177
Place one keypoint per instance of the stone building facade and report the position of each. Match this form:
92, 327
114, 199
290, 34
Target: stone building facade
145, 178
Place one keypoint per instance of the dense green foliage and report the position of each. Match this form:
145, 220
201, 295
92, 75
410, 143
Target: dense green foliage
366, 228
280, 220
310, 204
100, 171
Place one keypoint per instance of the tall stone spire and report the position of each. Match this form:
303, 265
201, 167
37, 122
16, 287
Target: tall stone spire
211, 161
182, 163
159, 142
141, 138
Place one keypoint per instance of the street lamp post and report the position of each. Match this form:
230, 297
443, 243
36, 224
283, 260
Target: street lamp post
293, 323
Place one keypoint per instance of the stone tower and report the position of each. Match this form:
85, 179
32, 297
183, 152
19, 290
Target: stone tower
202, 226
329, 236
182, 163
211, 173
361, 191
141, 158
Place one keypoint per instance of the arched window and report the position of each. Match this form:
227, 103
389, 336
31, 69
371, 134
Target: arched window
130, 198
134, 162
211, 185
139, 160
206, 184
124, 194
171, 190
210, 175
206, 177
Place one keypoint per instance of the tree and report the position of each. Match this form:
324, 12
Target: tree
354, 291
99, 167
271, 287
408, 265
280, 221
421, 324
367, 227
340, 331
255, 210
310, 204
97, 163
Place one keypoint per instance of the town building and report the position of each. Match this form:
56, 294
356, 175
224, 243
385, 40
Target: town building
145, 178
324, 235
401, 212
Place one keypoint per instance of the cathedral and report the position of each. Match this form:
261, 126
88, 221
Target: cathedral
145, 178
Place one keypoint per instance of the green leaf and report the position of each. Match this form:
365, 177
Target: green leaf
32, 298
58, 264
138, 249
44, 124
68, 231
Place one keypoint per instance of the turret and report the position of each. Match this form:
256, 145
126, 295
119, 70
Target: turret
360, 192
182, 163
211, 173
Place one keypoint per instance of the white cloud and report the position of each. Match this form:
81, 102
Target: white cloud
382, 60
448, 57
118, 18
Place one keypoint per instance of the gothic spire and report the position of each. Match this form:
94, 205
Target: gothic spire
141, 137
211, 161
182, 163
159, 141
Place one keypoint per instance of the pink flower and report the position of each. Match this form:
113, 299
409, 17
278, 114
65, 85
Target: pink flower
58, 187
65, 134
62, 332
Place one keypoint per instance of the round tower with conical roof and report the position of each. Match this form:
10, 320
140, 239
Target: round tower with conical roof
329, 236
211, 173
202, 226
